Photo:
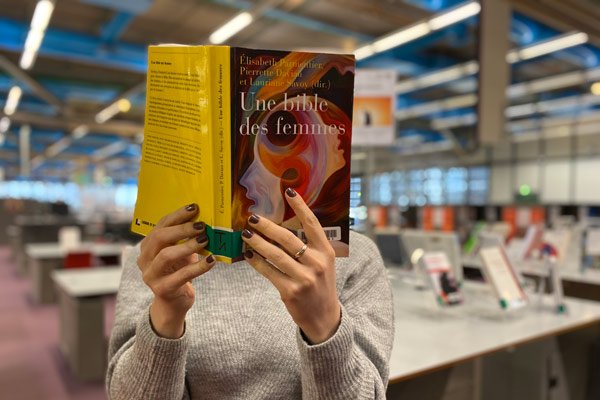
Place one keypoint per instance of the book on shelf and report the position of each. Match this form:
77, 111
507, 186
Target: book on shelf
231, 128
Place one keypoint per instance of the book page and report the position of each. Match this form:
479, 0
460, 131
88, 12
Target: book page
502, 277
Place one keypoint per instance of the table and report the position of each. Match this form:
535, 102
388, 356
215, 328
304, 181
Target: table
81, 310
43, 258
36, 229
428, 339
576, 282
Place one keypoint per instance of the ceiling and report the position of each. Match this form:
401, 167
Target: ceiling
94, 52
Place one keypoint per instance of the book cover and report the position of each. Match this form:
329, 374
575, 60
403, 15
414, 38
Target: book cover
231, 128
500, 272
441, 278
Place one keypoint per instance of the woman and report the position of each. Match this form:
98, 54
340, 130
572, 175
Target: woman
316, 328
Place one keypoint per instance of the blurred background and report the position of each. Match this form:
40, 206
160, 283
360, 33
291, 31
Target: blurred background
495, 123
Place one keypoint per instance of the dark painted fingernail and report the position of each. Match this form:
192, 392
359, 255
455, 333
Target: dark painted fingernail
248, 253
198, 226
191, 207
247, 234
290, 192
253, 219
202, 238
210, 259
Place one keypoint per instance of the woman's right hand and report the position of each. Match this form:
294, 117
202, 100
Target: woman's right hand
169, 261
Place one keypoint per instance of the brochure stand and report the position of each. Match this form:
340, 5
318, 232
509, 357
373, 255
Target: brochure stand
501, 276
435, 272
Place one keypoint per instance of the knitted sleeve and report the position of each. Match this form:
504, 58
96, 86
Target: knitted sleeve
142, 365
354, 362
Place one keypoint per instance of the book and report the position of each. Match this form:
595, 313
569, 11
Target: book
499, 271
441, 278
231, 128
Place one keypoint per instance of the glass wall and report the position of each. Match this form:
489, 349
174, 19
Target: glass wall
431, 186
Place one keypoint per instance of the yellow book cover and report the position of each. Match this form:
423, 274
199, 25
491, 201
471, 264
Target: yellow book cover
231, 128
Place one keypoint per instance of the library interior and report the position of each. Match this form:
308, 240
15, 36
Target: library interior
459, 140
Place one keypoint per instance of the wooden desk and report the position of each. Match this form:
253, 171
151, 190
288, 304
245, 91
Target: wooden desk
43, 258
81, 310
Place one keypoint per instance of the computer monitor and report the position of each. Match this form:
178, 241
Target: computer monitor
446, 242
391, 248
490, 239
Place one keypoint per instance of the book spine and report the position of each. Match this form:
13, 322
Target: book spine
224, 243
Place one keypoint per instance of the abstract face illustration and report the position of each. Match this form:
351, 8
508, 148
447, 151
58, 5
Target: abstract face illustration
297, 145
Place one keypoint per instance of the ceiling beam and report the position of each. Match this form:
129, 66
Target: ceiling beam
562, 15
295, 19
113, 29
121, 128
18, 74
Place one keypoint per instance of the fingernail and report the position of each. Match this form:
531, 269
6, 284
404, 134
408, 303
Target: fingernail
202, 238
198, 226
210, 259
247, 234
253, 219
191, 207
248, 253
290, 192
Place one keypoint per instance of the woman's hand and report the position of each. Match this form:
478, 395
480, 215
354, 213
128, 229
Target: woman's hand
303, 274
169, 261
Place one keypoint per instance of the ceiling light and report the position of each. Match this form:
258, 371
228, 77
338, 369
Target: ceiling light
124, 105
12, 101
4, 124
595, 89
35, 36
408, 34
472, 67
121, 105
438, 77
231, 27
37, 161
455, 15
41, 15
80, 131
57, 147
401, 37
549, 46
364, 52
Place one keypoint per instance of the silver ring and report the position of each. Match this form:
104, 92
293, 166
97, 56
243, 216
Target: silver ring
300, 252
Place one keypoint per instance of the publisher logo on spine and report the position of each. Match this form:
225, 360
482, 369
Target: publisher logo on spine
140, 222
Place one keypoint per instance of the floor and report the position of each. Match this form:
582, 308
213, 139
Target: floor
31, 365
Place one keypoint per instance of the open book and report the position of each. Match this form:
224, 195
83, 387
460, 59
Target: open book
231, 128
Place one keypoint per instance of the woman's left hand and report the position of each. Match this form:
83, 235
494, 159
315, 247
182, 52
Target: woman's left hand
303, 274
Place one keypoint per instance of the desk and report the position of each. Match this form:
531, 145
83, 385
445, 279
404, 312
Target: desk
428, 339
37, 229
81, 310
43, 258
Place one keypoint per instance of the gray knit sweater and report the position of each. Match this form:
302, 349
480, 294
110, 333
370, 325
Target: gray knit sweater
241, 343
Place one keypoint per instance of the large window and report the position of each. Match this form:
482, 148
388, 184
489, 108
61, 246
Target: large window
432, 186
479, 185
121, 196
